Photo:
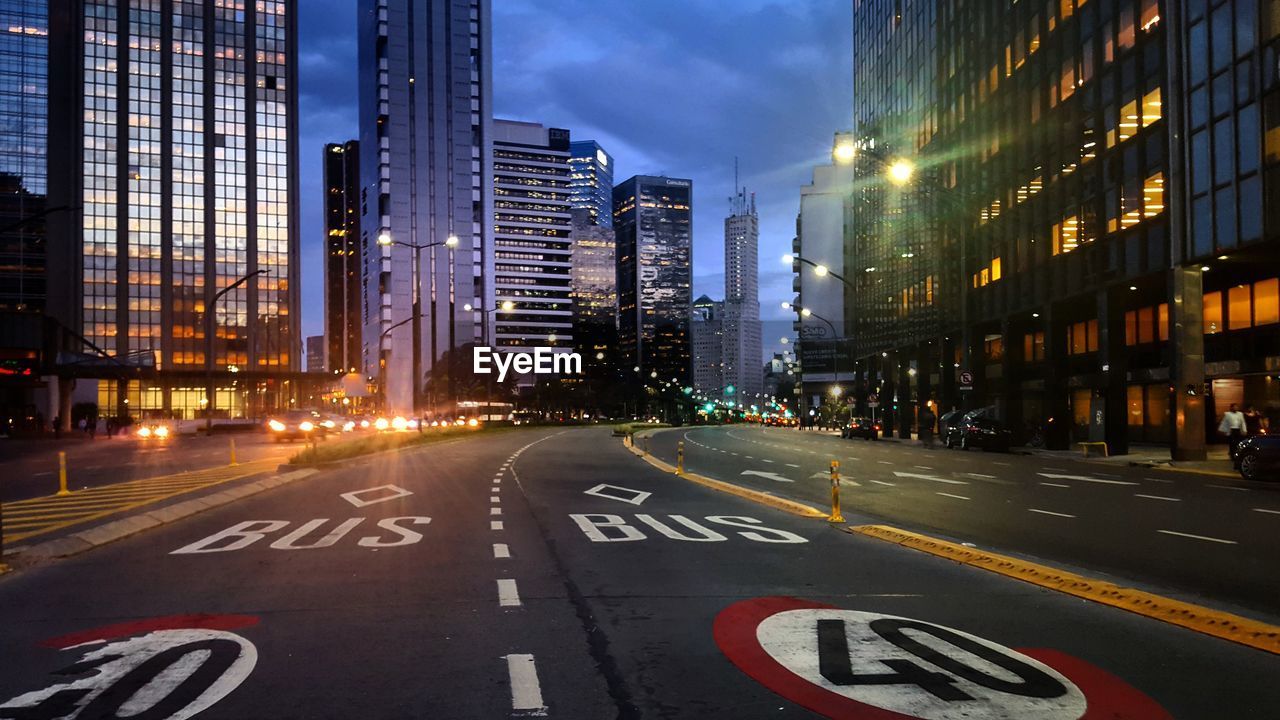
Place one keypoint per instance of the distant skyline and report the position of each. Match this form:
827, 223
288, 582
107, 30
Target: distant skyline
674, 87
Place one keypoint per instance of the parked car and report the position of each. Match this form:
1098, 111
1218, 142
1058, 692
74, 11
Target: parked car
862, 427
1258, 457
977, 430
946, 420
295, 425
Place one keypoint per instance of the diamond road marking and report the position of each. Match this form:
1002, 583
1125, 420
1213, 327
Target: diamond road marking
621, 494
392, 491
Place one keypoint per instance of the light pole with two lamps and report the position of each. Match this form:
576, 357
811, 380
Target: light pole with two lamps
210, 391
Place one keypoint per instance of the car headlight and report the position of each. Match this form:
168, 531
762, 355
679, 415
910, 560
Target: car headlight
398, 423
329, 424
306, 426
349, 426
381, 424
473, 422
162, 432
144, 432
276, 425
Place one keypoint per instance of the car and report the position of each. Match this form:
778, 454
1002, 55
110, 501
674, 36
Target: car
861, 427
975, 429
295, 425
1258, 457
152, 431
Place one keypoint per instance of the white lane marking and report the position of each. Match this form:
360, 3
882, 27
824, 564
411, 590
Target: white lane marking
1054, 469
500, 551
1086, 478
494, 499
958, 497
1206, 538
1158, 497
1003, 464
792, 465
766, 460
1057, 485
882, 482
1050, 512
980, 475
922, 467
930, 477
526, 693
1159, 480
42, 474
508, 594
884, 462
495, 511
1229, 487
495, 525
1265, 510
748, 457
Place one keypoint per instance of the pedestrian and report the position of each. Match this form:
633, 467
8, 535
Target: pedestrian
926, 421
92, 421
111, 427
1252, 421
1233, 427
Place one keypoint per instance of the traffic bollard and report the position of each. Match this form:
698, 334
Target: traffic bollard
646, 445
836, 517
232, 441
62, 474
680, 458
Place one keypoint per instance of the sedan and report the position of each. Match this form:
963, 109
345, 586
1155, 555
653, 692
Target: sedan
295, 425
1258, 457
861, 427
977, 431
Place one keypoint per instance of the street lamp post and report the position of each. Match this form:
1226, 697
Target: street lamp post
210, 390
504, 306
415, 271
382, 361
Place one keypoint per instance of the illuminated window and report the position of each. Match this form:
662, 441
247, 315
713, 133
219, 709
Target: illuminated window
1146, 325
1153, 196
1127, 34
1131, 328
995, 269
1130, 121
1162, 321
1266, 302
1152, 109
1150, 15
1239, 308
1213, 313
1066, 236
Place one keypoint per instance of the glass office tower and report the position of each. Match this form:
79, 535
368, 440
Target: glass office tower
24, 116
343, 259
591, 181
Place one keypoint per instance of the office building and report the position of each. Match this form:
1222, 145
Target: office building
425, 176
653, 224
1075, 222
343, 259
742, 345
591, 181
706, 333
24, 118
315, 354
532, 248
593, 279
178, 156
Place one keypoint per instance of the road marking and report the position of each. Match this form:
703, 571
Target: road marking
495, 511
1057, 485
930, 477
922, 467
884, 462
958, 497
1054, 469
1166, 481
508, 594
1109, 475
1050, 512
495, 525
767, 475
1002, 464
980, 475
1269, 512
1086, 478
792, 465
1229, 487
766, 460
619, 493
42, 474
882, 482
494, 499
526, 693
1206, 538
1158, 497
501, 551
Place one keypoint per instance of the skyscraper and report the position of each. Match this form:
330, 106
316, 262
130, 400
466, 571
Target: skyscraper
343, 258
178, 135
742, 350
24, 117
425, 124
653, 222
594, 282
531, 244
591, 180
706, 330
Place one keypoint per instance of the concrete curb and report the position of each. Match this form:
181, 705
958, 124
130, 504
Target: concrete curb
84, 540
763, 498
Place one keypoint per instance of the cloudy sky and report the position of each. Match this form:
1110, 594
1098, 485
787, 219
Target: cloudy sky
669, 87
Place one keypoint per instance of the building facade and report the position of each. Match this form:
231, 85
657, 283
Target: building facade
742, 344
706, 337
316, 347
343, 260
178, 156
1083, 244
593, 280
425, 71
653, 223
532, 247
24, 125
591, 181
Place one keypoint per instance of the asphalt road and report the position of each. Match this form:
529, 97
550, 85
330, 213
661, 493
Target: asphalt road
1211, 537
496, 579
29, 468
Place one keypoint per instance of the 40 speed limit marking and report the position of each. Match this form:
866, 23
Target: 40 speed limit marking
168, 668
871, 666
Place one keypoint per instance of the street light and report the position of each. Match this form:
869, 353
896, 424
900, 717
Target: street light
819, 269
385, 239
210, 391
900, 171
844, 152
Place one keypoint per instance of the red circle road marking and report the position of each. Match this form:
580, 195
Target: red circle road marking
140, 627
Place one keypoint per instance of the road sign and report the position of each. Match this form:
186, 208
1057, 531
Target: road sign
966, 380
871, 666
873, 400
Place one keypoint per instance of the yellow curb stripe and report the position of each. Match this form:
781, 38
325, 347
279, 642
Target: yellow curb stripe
189, 478
778, 503
1198, 618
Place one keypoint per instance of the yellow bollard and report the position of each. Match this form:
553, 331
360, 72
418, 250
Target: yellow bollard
680, 458
233, 450
646, 446
836, 517
62, 474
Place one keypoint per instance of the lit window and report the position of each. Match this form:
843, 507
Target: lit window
1152, 109
1266, 302
1239, 308
1213, 313
1153, 196
995, 269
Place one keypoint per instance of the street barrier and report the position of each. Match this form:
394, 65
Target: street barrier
836, 517
680, 457
62, 474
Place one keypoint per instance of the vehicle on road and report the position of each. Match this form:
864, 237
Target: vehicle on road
1258, 457
152, 431
295, 425
976, 430
860, 427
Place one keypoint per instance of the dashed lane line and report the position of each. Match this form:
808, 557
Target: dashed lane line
1229, 487
1267, 511
882, 482
508, 593
1050, 512
495, 525
1158, 497
957, 497
1057, 485
501, 551
1193, 536
526, 693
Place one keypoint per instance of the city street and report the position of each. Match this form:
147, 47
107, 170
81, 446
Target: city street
1207, 536
552, 573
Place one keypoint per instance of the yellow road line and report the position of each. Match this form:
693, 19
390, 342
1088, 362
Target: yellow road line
1226, 626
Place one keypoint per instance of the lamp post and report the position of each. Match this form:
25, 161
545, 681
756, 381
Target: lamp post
210, 391
450, 242
504, 306
382, 361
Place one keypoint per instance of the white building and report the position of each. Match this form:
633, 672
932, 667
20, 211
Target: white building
742, 350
